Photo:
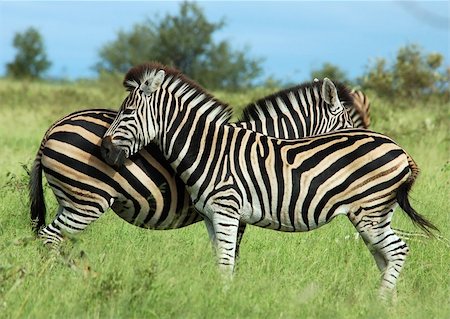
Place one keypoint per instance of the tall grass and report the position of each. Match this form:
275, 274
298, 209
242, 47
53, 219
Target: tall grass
115, 270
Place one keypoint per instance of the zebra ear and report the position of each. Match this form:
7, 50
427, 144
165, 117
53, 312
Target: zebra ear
155, 83
157, 80
330, 95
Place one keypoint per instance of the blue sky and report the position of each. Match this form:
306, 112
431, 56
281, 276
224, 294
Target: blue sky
292, 37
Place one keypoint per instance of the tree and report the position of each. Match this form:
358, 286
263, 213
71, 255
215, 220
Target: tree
184, 41
379, 78
31, 59
413, 74
330, 71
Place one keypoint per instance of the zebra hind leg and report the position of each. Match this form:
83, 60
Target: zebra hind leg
388, 250
51, 234
68, 221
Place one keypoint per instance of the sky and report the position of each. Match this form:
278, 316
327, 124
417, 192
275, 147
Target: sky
292, 37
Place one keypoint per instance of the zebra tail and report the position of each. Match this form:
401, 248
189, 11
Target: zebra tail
36, 193
403, 201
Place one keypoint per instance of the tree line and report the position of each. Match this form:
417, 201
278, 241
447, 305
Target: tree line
185, 41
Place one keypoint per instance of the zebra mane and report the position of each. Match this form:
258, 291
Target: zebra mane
361, 104
266, 105
141, 73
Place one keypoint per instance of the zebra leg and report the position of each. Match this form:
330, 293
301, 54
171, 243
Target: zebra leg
388, 250
68, 221
51, 234
212, 236
211, 233
379, 258
240, 234
210, 228
226, 232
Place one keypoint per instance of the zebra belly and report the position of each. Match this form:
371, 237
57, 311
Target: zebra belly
163, 202
283, 221
253, 214
143, 215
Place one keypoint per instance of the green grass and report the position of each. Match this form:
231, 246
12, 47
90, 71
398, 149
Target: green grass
115, 270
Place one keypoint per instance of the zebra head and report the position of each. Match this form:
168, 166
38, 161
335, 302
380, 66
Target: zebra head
135, 125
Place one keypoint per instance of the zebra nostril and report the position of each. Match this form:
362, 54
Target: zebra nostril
112, 154
106, 148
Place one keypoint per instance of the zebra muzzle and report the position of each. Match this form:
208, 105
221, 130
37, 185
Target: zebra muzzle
112, 154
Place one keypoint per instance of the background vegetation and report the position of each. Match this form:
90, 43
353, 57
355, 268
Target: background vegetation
31, 59
115, 270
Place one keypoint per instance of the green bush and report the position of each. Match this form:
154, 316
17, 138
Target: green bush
412, 75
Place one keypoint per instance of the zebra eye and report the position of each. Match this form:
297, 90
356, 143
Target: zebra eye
128, 111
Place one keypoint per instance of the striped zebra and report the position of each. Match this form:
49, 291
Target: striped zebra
146, 191
235, 175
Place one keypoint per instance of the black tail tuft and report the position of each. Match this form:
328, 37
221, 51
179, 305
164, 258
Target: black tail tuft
37, 203
418, 220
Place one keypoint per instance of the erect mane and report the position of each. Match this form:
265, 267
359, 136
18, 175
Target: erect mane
139, 74
265, 105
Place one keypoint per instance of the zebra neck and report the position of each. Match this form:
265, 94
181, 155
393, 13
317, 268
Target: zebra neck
194, 153
194, 115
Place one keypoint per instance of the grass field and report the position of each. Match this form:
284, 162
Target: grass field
115, 270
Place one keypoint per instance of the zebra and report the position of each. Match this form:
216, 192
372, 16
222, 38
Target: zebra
235, 175
146, 192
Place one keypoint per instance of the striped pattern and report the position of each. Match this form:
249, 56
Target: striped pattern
146, 192
235, 175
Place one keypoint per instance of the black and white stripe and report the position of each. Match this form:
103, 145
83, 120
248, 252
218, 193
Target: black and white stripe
235, 175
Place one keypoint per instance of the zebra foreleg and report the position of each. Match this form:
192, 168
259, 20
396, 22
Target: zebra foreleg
212, 236
226, 234
240, 234
211, 233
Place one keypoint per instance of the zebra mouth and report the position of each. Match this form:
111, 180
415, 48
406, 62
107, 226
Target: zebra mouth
112, 154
